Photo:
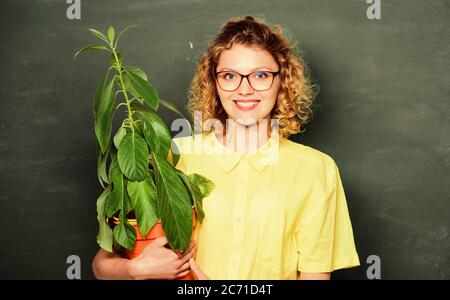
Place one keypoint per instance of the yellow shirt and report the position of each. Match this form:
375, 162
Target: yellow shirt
273, 212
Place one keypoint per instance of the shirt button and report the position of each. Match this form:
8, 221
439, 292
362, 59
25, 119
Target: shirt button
239, 220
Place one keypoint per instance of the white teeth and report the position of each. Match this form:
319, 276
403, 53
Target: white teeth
246, 104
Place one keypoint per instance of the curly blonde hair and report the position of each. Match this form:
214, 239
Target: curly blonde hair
293, 106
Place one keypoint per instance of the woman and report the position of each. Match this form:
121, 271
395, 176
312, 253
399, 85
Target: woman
278, 209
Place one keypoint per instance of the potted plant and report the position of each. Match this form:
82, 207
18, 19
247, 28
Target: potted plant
144, 196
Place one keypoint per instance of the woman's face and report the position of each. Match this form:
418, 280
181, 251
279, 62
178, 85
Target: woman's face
246, 105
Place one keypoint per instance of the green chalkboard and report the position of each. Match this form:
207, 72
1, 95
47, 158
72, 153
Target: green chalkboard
382, 114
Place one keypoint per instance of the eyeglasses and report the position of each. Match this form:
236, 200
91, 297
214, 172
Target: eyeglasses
260, 80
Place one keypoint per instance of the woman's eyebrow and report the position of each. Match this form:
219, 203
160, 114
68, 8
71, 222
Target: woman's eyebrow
252, 70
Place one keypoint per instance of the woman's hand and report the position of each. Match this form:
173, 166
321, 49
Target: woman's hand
158, 262
196, 270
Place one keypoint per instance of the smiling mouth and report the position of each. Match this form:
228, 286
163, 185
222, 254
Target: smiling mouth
246, 105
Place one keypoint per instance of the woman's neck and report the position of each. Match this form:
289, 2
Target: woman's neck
242, 138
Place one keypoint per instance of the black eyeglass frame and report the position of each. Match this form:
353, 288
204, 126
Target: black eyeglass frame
246, 76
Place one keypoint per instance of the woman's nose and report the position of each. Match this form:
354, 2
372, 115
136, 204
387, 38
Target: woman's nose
245, 87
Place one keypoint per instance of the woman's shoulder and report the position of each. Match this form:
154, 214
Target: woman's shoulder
303, 154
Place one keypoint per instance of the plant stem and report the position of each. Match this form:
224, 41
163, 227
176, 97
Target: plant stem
127, 101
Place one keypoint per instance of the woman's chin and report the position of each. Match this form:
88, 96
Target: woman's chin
246, 121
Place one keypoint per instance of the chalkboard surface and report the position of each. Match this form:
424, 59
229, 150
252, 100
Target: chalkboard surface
382, 114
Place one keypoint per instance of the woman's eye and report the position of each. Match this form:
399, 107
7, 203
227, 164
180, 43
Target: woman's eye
228, 75
261, 74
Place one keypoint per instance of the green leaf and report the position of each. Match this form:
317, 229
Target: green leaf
141, 108
113, 154
155, 132
113, 202
90, 48
136, 71
175, 151
129, 87
143, 199
118, 200
122, 32
98, 96
165, 103
101, 164
200, 187
174, 205
111, 34
205, 185
99, 35
119, 136
104, 116
133, 156
144, 89
125, 234
105, 233
172, 107
127, 206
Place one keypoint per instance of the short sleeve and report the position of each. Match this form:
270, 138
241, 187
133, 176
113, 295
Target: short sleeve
325, 240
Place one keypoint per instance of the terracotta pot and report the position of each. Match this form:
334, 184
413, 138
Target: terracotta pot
142, 242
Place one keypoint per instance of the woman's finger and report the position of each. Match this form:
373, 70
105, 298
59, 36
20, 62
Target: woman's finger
187, 256
182, 274
184, 267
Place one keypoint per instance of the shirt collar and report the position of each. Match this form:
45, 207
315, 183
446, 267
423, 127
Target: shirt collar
227, 159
